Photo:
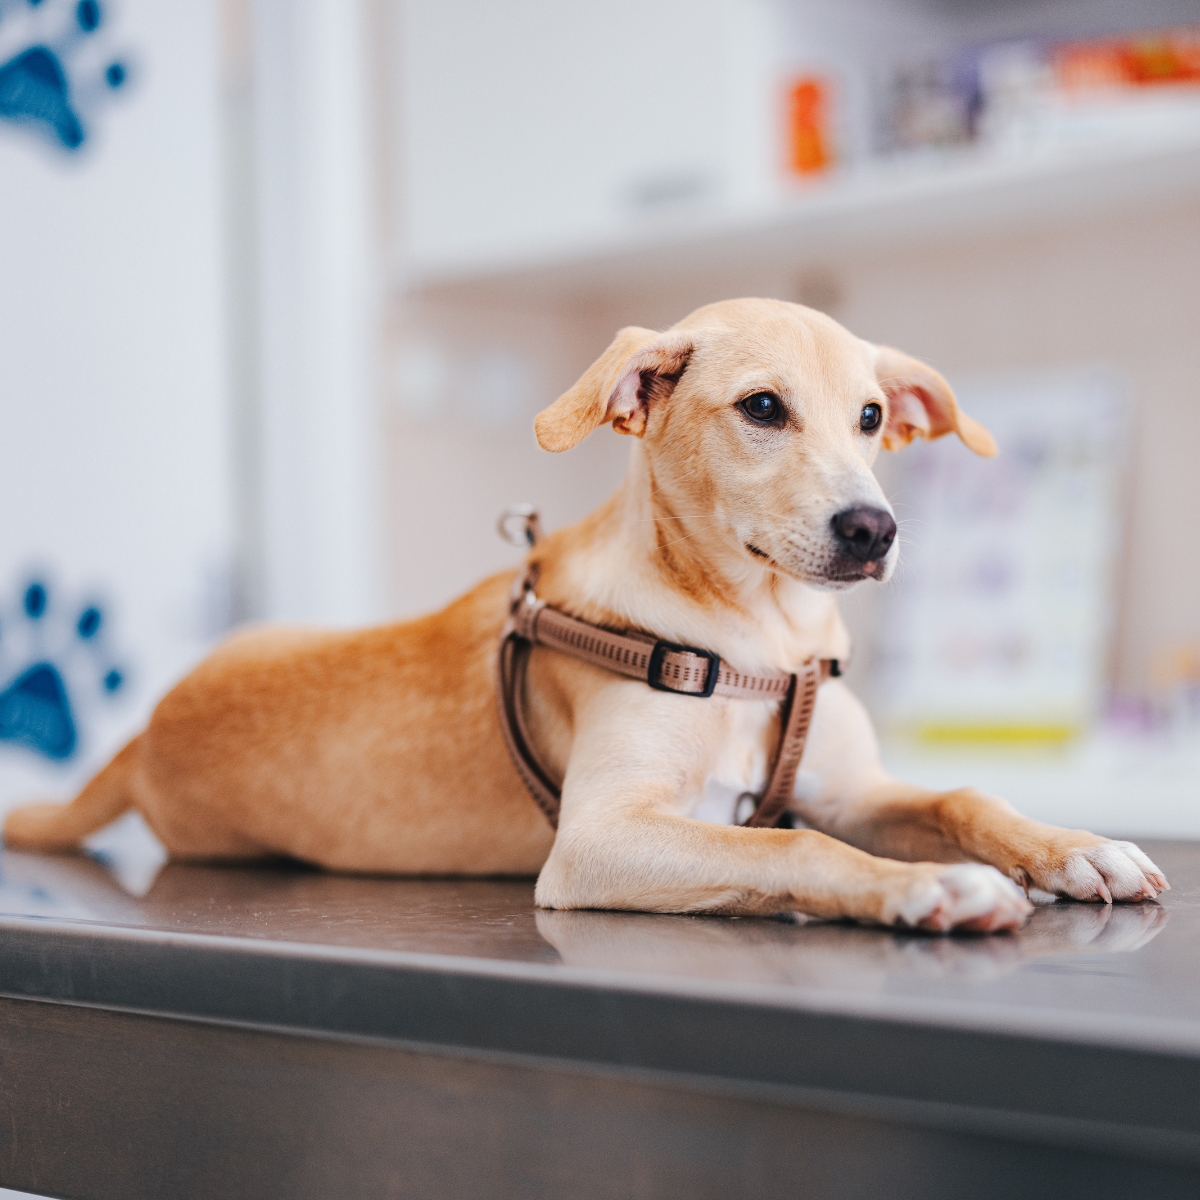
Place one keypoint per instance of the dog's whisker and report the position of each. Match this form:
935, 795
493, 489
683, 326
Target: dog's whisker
685, 537
712, 525
683, 517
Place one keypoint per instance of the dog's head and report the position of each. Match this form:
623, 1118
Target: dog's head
760, 421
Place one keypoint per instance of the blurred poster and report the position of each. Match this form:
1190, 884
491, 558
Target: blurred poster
997, 624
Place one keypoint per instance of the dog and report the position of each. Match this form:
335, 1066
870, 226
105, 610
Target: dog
748, 505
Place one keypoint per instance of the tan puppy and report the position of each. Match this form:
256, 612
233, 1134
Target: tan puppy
749, 502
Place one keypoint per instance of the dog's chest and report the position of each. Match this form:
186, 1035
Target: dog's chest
738, 762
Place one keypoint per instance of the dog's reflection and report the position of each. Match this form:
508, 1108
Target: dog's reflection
832, 954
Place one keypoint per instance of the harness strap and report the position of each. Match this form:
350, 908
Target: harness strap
514, 658
666, 666
793, 733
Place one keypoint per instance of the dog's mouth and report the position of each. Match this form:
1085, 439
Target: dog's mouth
875, 568
778, 566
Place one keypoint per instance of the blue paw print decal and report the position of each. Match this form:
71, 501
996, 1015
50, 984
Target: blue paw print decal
38, 87
61, 658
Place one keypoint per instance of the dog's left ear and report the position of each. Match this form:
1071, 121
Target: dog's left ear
921, 404
640, 368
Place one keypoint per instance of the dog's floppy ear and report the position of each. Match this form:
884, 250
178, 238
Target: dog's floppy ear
921, 404
640, 368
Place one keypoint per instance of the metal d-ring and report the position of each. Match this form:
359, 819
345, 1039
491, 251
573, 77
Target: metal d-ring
527, 533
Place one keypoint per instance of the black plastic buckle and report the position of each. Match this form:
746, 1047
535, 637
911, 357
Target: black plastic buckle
654, 671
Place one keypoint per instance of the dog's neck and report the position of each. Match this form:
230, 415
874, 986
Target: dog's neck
635, 563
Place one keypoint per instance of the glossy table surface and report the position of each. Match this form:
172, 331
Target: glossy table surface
1082, 1031
1127, 974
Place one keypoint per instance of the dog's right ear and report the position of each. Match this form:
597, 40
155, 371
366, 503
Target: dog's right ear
921, 404
640, 368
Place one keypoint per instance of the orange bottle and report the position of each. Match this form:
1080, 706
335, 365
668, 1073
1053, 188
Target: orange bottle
809, 143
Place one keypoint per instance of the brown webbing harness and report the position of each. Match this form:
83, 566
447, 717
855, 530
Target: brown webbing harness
665, 666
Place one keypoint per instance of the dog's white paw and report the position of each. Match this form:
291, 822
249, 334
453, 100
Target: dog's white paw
1106, 871
965, 896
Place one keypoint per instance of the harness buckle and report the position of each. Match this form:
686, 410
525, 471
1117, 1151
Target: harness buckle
654, 670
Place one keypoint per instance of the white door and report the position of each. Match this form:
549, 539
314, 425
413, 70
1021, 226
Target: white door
116, 521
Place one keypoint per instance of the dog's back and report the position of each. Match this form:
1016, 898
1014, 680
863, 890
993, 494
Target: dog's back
372, 750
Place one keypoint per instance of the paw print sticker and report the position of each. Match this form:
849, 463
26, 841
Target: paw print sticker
54, 77
54, 662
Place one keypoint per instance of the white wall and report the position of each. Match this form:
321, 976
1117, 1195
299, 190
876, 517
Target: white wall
114, 454
463, 384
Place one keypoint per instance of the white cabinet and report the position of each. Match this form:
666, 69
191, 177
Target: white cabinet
534, 128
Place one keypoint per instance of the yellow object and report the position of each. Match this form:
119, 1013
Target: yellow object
998, 734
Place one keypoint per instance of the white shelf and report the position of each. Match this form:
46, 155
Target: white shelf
885, 206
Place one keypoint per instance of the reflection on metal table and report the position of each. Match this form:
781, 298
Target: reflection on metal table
273, 1031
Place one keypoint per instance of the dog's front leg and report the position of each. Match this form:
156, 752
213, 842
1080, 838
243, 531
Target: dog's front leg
851, 797
622, 843
1064, 862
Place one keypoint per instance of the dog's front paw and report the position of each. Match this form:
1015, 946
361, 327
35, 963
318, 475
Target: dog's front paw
966, 896
1085, 867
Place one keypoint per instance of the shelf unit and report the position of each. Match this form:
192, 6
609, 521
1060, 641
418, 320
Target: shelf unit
885, 206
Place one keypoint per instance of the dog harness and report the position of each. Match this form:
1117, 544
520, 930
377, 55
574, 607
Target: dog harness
664, 666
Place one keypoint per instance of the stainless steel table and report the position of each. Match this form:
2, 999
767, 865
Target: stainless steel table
275, 1032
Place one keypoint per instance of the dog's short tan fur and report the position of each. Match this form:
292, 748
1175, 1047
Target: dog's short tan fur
381, 750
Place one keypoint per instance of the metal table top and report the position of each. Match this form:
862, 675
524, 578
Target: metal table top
1012, 1024
1130, 970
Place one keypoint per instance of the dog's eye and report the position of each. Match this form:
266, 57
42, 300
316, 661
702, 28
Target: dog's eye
870, 417
762, 407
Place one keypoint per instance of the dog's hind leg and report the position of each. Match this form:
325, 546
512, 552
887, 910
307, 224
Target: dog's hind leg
64, 826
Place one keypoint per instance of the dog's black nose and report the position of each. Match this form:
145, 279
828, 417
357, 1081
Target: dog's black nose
864, 533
